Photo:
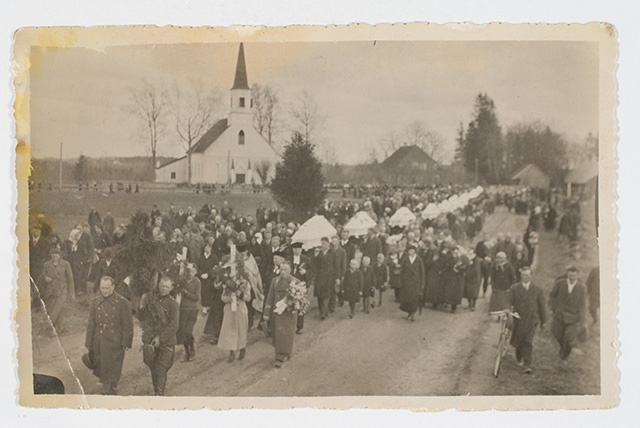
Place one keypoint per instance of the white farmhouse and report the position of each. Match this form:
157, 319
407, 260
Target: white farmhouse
231, 151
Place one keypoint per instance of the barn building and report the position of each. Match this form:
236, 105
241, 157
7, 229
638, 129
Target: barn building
531, 176
232, 151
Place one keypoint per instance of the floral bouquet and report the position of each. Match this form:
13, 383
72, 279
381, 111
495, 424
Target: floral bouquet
296, 299
234, 281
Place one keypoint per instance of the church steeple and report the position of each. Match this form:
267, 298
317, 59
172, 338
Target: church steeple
240, 81
241, 103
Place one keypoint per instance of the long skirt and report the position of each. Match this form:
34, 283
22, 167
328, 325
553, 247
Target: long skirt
410, 298
498, 301
453, 290
472, 288
188, 318
284, 328
233, 334
216, 313
434, 290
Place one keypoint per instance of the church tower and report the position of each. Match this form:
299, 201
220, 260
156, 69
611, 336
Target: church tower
241, 103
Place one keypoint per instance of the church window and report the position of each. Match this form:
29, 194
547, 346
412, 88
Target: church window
173, 175
241, 138
251, 102
241, 101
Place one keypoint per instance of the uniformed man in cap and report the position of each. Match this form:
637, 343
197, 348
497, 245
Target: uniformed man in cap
109, 334
56, 286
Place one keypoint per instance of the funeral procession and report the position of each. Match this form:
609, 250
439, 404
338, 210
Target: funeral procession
325, 219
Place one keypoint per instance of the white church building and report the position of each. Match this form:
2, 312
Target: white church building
232, 150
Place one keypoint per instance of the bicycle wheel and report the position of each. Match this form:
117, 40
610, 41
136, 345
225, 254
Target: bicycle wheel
502, 344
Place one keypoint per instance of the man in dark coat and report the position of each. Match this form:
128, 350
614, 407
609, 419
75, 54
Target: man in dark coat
206, 266
411, 282
56, 285
568, 302
39, 248
371, 245
325, 277
482, 253
301, 270
352, 286
472, 279
190, 292
527, 300
109, 334
340, 268
94, 218
159, 338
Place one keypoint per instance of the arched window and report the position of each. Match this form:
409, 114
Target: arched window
241, 138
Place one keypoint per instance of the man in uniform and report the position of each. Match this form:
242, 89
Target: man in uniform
56, 286
159, 339
109, 334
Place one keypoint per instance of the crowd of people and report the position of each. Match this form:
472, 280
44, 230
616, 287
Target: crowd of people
435, 263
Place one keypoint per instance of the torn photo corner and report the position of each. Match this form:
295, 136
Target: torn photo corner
425, 182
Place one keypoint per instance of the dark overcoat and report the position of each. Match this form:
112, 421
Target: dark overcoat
434, 291
530, 306
284, 325
453, 281
472, 278
109, 331
412, 280
325, 276
352, 285
569, 309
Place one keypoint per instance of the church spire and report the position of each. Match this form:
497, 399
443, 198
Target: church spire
240, 81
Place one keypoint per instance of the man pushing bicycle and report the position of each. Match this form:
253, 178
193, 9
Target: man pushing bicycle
526, 299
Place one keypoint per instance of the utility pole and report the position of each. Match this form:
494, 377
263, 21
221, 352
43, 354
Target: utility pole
60, 171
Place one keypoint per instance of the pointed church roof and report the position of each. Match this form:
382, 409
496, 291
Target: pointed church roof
210, 136
240, 81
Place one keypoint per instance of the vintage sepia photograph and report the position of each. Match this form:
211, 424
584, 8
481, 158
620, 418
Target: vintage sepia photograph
409, 216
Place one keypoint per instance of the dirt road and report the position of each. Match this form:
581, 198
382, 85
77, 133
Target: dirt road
376, 354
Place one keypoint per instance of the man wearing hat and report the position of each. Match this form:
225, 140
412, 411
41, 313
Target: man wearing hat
411, 282
39, 248
109, 335
56, 286
301, 269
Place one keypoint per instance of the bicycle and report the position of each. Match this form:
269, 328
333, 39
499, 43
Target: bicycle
505, 334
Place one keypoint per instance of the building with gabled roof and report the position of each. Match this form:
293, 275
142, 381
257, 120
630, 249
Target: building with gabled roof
531, 176
410, 165
232, 150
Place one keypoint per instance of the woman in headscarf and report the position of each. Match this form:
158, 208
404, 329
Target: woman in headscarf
76, 253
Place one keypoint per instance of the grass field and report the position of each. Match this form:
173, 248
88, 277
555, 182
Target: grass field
65, 209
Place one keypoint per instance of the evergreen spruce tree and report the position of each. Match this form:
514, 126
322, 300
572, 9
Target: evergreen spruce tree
298, 185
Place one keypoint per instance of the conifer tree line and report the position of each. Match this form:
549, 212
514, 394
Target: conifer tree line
495, 154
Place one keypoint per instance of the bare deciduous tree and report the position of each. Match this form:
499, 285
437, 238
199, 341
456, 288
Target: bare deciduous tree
308, 120
262, 169
415, 134
149, 103
266, 111
195, 112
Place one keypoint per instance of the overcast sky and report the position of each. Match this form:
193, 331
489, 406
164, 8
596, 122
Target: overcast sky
366, 91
